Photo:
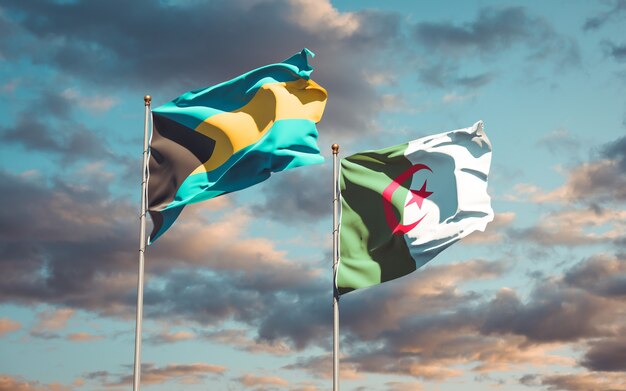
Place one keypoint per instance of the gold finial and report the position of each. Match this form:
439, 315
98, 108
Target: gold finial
147, 99
335, 148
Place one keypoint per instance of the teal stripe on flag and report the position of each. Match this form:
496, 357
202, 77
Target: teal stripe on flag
288, 144
193, 107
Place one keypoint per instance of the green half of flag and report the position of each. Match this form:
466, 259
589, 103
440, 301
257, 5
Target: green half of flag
231, 136
403, 205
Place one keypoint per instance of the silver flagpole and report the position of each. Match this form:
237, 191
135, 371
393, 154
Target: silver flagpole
335, 148
142, 247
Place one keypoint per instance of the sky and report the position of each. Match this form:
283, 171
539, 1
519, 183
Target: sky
238, 293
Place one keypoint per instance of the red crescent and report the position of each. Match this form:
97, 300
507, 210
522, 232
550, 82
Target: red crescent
392, 221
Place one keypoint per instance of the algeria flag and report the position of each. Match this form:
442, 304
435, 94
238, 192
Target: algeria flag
403, 205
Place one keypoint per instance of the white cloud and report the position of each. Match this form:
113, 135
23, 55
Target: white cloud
453, 97
93, 103
316, 15
381, 78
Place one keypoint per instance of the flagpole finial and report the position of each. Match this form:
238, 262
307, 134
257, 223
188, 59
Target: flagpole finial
335, 148
147, 99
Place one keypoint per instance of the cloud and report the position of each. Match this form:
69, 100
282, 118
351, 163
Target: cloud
305, 386
95, 103
53, 320
435, 287
131, 44
81, 260
190, 280
554, 314
451, 331
83, 337
395, 103
250, 380
69, 140
453, 97
178, 372
495, 230
300, 325
439, 72
428, 341
322, 367
404, 386
589, 182
11, 383
616, 51
606, 355
439, 346
219, 244
240, 340
475, 81
407, 366
559, 141
584, 382
595, 22
151, 374
597, 181
574, 227
10, 86
493, 32
602, 275
92, 42
206, 270
200, 297
283, 302
616, 151
298, 196
237, 338
169, 337
582, 306
8, 326
308, 322
310, 14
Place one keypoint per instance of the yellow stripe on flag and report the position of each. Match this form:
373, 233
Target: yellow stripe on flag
233, 131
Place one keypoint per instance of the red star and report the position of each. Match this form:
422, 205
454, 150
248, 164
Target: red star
419, 196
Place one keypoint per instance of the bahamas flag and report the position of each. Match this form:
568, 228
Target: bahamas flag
233, 135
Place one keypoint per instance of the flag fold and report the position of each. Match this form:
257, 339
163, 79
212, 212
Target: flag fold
403, 205
233, 135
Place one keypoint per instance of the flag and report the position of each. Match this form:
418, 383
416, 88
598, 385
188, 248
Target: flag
403, 205
233, 135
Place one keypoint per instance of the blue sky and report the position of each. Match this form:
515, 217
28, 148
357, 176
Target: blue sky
238, 291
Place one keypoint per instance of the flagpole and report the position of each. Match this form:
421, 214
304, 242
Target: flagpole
142, 247
335, 148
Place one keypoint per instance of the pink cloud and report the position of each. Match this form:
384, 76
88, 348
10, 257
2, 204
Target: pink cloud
83, 337
585, 381
250, 380
493, 233
49, 320
577, 227
9, 383
181, 373
240, 340
8, 326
